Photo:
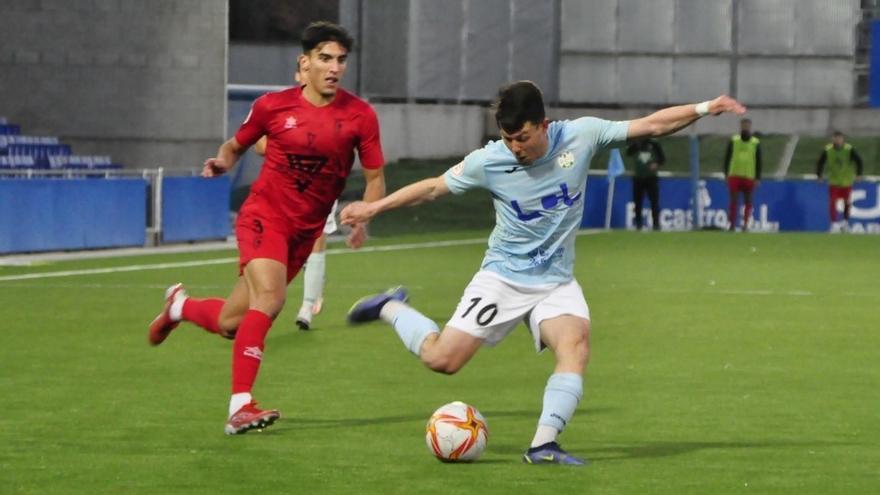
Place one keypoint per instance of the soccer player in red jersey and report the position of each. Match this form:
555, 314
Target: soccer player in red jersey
313, 131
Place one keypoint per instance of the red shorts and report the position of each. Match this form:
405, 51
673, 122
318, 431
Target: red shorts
839, 192
259, 237
740, 184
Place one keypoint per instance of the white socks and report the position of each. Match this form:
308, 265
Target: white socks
390, 310
561, 397
545, 434
313, 278
237, 401
175, 312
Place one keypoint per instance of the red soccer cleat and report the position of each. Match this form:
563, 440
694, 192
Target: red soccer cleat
249, 417
162, 325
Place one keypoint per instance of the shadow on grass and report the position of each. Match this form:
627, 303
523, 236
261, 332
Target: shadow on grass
296, 423
665, 449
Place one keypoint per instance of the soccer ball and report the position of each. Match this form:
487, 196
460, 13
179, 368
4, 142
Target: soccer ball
456, 432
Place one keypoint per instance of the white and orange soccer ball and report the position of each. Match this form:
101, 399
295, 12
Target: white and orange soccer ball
456, 432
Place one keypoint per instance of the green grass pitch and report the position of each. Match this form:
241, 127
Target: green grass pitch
720, 364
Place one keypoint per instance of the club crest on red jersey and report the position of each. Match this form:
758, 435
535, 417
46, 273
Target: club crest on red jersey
290, 122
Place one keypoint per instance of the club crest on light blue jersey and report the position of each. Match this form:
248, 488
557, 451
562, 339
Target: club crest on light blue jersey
538, 207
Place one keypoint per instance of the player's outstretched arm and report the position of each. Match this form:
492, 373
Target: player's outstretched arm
374, 191
413, 194
669, 120
227, 156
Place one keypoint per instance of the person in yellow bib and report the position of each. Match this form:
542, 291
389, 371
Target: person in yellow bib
844, 166
742, 168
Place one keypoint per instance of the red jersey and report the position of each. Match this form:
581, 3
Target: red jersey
309, 154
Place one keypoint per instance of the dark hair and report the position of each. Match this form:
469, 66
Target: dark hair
322, 32
836, 133
518, 103
745, 121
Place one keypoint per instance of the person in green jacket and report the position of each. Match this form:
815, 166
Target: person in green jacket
844, 167
742, 168
647, 156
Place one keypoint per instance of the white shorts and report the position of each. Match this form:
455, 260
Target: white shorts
492, 306
330, 226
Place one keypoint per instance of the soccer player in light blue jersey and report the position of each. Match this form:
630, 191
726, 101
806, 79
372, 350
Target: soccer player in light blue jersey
537, 177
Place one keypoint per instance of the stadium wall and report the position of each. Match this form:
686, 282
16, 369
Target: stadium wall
142, 81
429, 131
617, 52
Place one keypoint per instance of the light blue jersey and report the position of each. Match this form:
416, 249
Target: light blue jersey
538, 207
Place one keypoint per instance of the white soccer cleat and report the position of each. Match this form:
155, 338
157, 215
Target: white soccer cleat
304, 317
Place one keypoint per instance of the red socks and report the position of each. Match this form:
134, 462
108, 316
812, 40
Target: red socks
204, 312
747, 215
247, 352
731, 214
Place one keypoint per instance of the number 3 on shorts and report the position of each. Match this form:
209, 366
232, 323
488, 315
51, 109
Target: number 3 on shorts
485, 315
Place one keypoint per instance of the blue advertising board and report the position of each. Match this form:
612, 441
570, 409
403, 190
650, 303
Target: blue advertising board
54, 215
779, 205
195, 208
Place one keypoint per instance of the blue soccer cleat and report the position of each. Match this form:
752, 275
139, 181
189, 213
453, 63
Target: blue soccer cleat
551, 453
368, 308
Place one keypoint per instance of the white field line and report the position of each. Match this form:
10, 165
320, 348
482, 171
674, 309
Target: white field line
99, 286
740, 292
115, 269
219, 261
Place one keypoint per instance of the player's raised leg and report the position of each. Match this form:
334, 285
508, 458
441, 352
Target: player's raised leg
267, 283
444, 352
448, 351
569, 338
215, 315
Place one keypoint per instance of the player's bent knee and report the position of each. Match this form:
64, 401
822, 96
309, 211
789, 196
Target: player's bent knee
270, 303
576, 345
228, 325
441, 363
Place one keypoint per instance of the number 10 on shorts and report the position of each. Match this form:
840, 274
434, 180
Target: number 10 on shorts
485, 315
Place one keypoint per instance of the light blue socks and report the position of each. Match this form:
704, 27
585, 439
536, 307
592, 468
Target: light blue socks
411, 326
561, 397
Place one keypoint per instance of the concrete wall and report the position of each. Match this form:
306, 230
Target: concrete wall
767, 52
798, 53
144, 81
264, 63
429, 131
452, 50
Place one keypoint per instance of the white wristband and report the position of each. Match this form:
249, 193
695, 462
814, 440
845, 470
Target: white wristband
702, 109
